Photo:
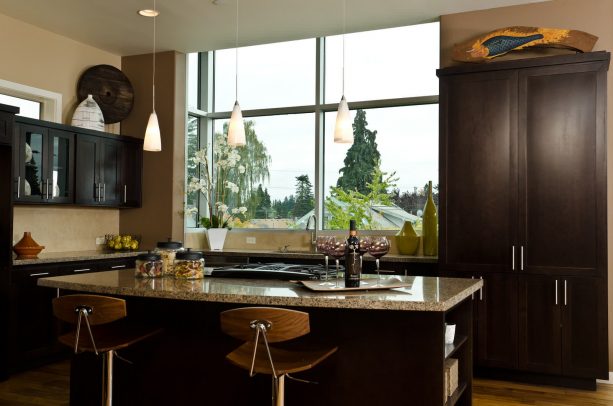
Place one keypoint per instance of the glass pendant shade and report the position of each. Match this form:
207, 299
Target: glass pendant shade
153, 141
343, 131
236, 128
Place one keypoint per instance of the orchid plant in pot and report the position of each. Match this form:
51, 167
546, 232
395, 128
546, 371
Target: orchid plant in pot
217, 183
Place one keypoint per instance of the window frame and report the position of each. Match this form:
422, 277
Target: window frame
207, 114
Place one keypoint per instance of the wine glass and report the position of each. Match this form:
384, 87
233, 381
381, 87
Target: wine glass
336, 249
379, 247
323, 242
365, 242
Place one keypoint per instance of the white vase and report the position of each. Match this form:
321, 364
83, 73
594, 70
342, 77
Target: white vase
88, 115
216, 237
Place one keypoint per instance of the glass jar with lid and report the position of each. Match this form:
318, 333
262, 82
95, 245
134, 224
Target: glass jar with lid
149, 265
168, 250
189, 265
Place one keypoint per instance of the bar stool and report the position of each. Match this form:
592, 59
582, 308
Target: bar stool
104, 334
259, 326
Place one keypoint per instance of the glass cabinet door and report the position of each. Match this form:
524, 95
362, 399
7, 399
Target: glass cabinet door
60, 166
32, 171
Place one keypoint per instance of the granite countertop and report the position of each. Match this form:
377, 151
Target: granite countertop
53, 257
425, 294
313, 255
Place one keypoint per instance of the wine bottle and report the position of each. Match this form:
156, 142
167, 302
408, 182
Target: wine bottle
353, 267
430, 225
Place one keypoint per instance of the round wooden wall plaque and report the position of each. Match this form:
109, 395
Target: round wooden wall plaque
110, 88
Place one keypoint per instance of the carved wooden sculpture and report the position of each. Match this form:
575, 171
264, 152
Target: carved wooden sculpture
499, 42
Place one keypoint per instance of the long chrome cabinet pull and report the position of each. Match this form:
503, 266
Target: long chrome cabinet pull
104, 192
118, 267
481, 290
39, 274
565, 298
125, 193
47, 191
81, 270
473, 295
97, 194
513, 257
521, 254
556, 292
18, 186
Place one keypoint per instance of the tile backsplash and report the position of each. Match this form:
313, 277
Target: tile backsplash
62, 229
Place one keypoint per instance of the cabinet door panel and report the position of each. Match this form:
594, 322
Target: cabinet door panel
61, 166
6, 128
478, 171
497, 321
561, 174
110, 163
86, 175
131, 174
539, 324
30, 155
584, 340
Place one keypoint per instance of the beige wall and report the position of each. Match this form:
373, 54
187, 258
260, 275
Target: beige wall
41, 59
164, 172
593, 16
34, 57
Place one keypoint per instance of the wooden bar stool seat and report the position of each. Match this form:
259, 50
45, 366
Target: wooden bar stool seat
260, 326
101, 329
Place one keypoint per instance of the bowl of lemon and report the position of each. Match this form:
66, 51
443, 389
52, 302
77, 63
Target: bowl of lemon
122, 242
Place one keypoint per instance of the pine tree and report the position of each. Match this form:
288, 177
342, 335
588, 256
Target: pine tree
362, 157
305, 201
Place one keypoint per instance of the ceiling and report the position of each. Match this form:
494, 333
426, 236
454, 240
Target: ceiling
200, 25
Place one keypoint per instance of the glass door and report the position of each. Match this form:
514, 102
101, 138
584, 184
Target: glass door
32, 165
61, 146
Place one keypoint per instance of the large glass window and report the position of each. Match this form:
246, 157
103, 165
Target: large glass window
291, 168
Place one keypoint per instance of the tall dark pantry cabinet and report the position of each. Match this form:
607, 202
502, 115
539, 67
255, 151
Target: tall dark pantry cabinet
7, 114
523, 206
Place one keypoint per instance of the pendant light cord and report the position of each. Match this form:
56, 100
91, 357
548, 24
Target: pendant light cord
344, 28
236, 56
153, 79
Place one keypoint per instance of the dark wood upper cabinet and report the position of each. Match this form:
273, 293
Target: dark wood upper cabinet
55, 163
7, 119
562, 169
98, 179
43, 164
478, 151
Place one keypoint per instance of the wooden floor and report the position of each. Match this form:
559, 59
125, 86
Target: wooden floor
48, 386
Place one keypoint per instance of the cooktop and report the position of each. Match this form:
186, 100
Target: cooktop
274, 271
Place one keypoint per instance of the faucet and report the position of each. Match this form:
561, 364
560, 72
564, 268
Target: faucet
314, 233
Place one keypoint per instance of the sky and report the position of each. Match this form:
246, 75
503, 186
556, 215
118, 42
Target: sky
391, 63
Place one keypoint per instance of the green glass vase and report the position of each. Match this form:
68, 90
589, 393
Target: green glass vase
430, 225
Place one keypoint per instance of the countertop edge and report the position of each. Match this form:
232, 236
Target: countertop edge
321, 302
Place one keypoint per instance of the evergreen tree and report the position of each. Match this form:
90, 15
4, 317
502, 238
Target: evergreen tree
305, 200
362, 157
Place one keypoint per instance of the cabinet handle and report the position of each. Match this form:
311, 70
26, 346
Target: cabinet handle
47, 188
39, 274
556, 292
97, 193
118, 267
104, 192
565, 301
521, 253
81, 270
513, 257
481, 290
125, 193
18, 185
473, 294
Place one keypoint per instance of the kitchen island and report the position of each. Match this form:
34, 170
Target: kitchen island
391, 342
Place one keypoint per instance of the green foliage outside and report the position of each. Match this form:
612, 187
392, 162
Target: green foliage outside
344, 205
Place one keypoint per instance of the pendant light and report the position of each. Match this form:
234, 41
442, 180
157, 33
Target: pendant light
343, 130
153, 140
236, 128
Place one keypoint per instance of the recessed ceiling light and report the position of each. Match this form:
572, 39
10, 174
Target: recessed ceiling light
148, 13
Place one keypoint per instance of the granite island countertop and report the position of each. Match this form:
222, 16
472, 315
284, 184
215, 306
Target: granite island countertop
72, 256
425, 294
